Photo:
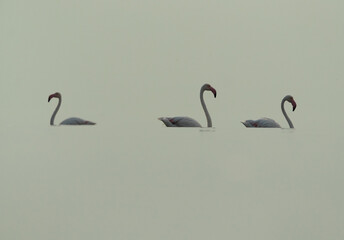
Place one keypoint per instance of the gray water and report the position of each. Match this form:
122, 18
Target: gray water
92, 182
123, 64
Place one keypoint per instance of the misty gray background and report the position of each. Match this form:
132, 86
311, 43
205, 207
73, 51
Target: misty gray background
123, 64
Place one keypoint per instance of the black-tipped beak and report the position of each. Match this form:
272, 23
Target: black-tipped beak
50, 97
294, 105
213, 91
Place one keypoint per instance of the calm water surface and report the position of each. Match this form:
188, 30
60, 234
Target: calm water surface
123, 64
163, 183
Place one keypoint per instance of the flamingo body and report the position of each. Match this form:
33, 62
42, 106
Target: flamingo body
263, 122
187, 121
270, 123
180, 122
76, 121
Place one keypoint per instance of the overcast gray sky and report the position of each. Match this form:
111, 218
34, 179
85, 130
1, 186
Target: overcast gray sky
120, 60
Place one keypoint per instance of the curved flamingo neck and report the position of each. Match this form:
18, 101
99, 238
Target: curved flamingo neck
209, 123
52, 119
285, 114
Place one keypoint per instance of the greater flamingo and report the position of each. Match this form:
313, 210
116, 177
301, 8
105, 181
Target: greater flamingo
189, 122
270, 123
68, 121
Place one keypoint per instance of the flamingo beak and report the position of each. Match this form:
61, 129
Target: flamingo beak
213, 91
51, 96
294, 104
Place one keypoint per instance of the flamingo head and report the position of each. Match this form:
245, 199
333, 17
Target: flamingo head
207, 87
55, 95
291, 100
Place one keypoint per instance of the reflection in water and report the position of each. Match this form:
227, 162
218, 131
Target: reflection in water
207, 129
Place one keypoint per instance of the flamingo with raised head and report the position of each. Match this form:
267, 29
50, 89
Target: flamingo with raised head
187, 121
68, 121
270, 123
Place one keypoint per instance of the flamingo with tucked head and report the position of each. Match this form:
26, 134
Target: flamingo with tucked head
270, 123
68, 121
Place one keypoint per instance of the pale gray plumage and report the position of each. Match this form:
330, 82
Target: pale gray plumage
68, 121
187, 121
270, 123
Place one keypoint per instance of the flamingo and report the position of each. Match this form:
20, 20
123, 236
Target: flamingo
187, 121
68, 121
270, 123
